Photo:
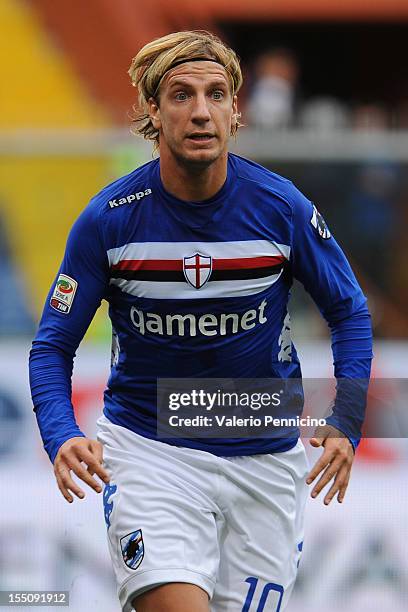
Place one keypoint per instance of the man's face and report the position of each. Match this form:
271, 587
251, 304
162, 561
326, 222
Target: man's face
194, 113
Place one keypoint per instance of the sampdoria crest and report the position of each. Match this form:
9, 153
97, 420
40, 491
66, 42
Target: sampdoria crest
320, 224
132, 549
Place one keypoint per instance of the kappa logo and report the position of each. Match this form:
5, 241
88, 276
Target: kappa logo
320, 224
63, 294
132, 197
132, 549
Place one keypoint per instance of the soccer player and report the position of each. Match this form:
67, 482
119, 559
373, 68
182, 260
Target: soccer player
195, 252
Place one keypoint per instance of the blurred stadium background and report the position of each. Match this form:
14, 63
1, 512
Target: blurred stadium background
325, 103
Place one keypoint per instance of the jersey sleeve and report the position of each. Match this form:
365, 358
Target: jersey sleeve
321, 266
80, 285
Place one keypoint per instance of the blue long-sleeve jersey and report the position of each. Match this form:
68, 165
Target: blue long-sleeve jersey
195, 289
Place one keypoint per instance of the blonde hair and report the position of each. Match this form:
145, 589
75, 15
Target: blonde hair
155, 59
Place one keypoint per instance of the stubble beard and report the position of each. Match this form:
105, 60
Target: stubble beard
193, 163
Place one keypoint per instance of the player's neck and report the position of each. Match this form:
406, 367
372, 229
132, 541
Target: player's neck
193, 183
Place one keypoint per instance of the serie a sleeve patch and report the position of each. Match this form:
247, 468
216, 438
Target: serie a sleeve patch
320, 224
63, 294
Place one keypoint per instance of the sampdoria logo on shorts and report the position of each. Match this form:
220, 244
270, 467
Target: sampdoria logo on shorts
132, 549
63, 294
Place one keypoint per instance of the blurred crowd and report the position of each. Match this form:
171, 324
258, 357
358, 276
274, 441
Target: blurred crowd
365, 202
274, 100
16, 316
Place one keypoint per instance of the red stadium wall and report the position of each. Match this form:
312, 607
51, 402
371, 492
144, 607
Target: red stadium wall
101, 37
301, 10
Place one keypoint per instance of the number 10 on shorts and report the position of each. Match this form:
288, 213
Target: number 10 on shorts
269, 589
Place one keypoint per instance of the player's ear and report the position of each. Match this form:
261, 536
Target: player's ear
234, 116
154, 112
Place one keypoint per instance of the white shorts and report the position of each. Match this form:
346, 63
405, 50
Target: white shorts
233, 526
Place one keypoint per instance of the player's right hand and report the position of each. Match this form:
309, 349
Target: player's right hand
83, 457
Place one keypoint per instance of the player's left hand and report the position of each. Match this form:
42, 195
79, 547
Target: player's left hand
335, 462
